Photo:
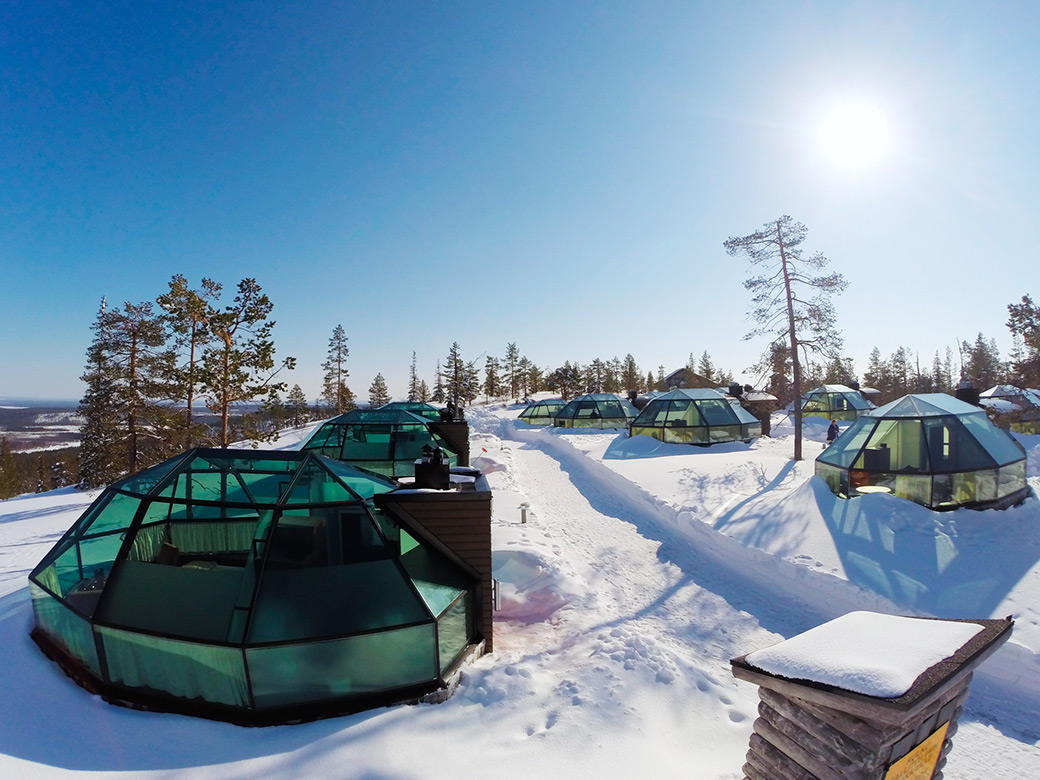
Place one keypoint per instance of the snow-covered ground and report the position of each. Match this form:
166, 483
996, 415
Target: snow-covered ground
643, 568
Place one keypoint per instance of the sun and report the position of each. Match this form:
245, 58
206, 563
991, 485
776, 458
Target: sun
854, 135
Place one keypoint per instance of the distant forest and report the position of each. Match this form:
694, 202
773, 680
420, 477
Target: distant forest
149, 366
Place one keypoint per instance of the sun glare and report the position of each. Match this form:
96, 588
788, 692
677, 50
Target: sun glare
854, 135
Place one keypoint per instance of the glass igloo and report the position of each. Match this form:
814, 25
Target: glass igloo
419, 408
385, 441
595, 410
835, 402
932, 449
251, 586
695, 417
541, 412
1014, 408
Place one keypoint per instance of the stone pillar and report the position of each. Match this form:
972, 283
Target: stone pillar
812, 731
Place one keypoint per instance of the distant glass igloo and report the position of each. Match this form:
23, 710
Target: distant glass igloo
932, 449
835, 402
1014, 408
695, 417
542, 412
595, 410
386, 441
253, 587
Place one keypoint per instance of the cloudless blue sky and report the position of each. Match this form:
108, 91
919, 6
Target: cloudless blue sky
561, 175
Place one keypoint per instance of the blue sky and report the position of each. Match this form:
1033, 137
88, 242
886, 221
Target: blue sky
561, 175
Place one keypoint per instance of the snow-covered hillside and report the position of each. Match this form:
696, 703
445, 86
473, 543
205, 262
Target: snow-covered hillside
642, 569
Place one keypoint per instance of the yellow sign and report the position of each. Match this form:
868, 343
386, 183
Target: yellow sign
919, 763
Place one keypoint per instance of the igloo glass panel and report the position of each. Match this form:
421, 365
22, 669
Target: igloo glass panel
318, 671
1000, 447
65, 627
1012, 479
686, 435
972, 486
896, 445
328, 575
953, 448
716, 412
187, 670
454, 628
844, 451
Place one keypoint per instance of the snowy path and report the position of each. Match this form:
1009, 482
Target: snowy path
646, 599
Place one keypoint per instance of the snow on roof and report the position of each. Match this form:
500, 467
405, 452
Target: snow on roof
866, 652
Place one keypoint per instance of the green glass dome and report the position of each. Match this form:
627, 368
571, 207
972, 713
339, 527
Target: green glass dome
930, 448
1014, 408
835, 402
595, 410
253, 587
541, 412
695, 417
385, 441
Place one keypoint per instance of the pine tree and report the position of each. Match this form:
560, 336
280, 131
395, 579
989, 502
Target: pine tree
9, 479
100, 461
454, 376
59, 475
335, 392
438, 386
596, 377
241, 366
296, 407
660, 379
982, 365
782, 308
706, 368
948, 376
137, 348
423, 391
378, 395
612, 380
492, 383
472, 383
565, 380
413, 381
649, 381
775, 370
631, 376
512, 370
186, 318
900, 373
1024, 322
525, 367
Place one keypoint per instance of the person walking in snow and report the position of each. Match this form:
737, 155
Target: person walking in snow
832, 432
